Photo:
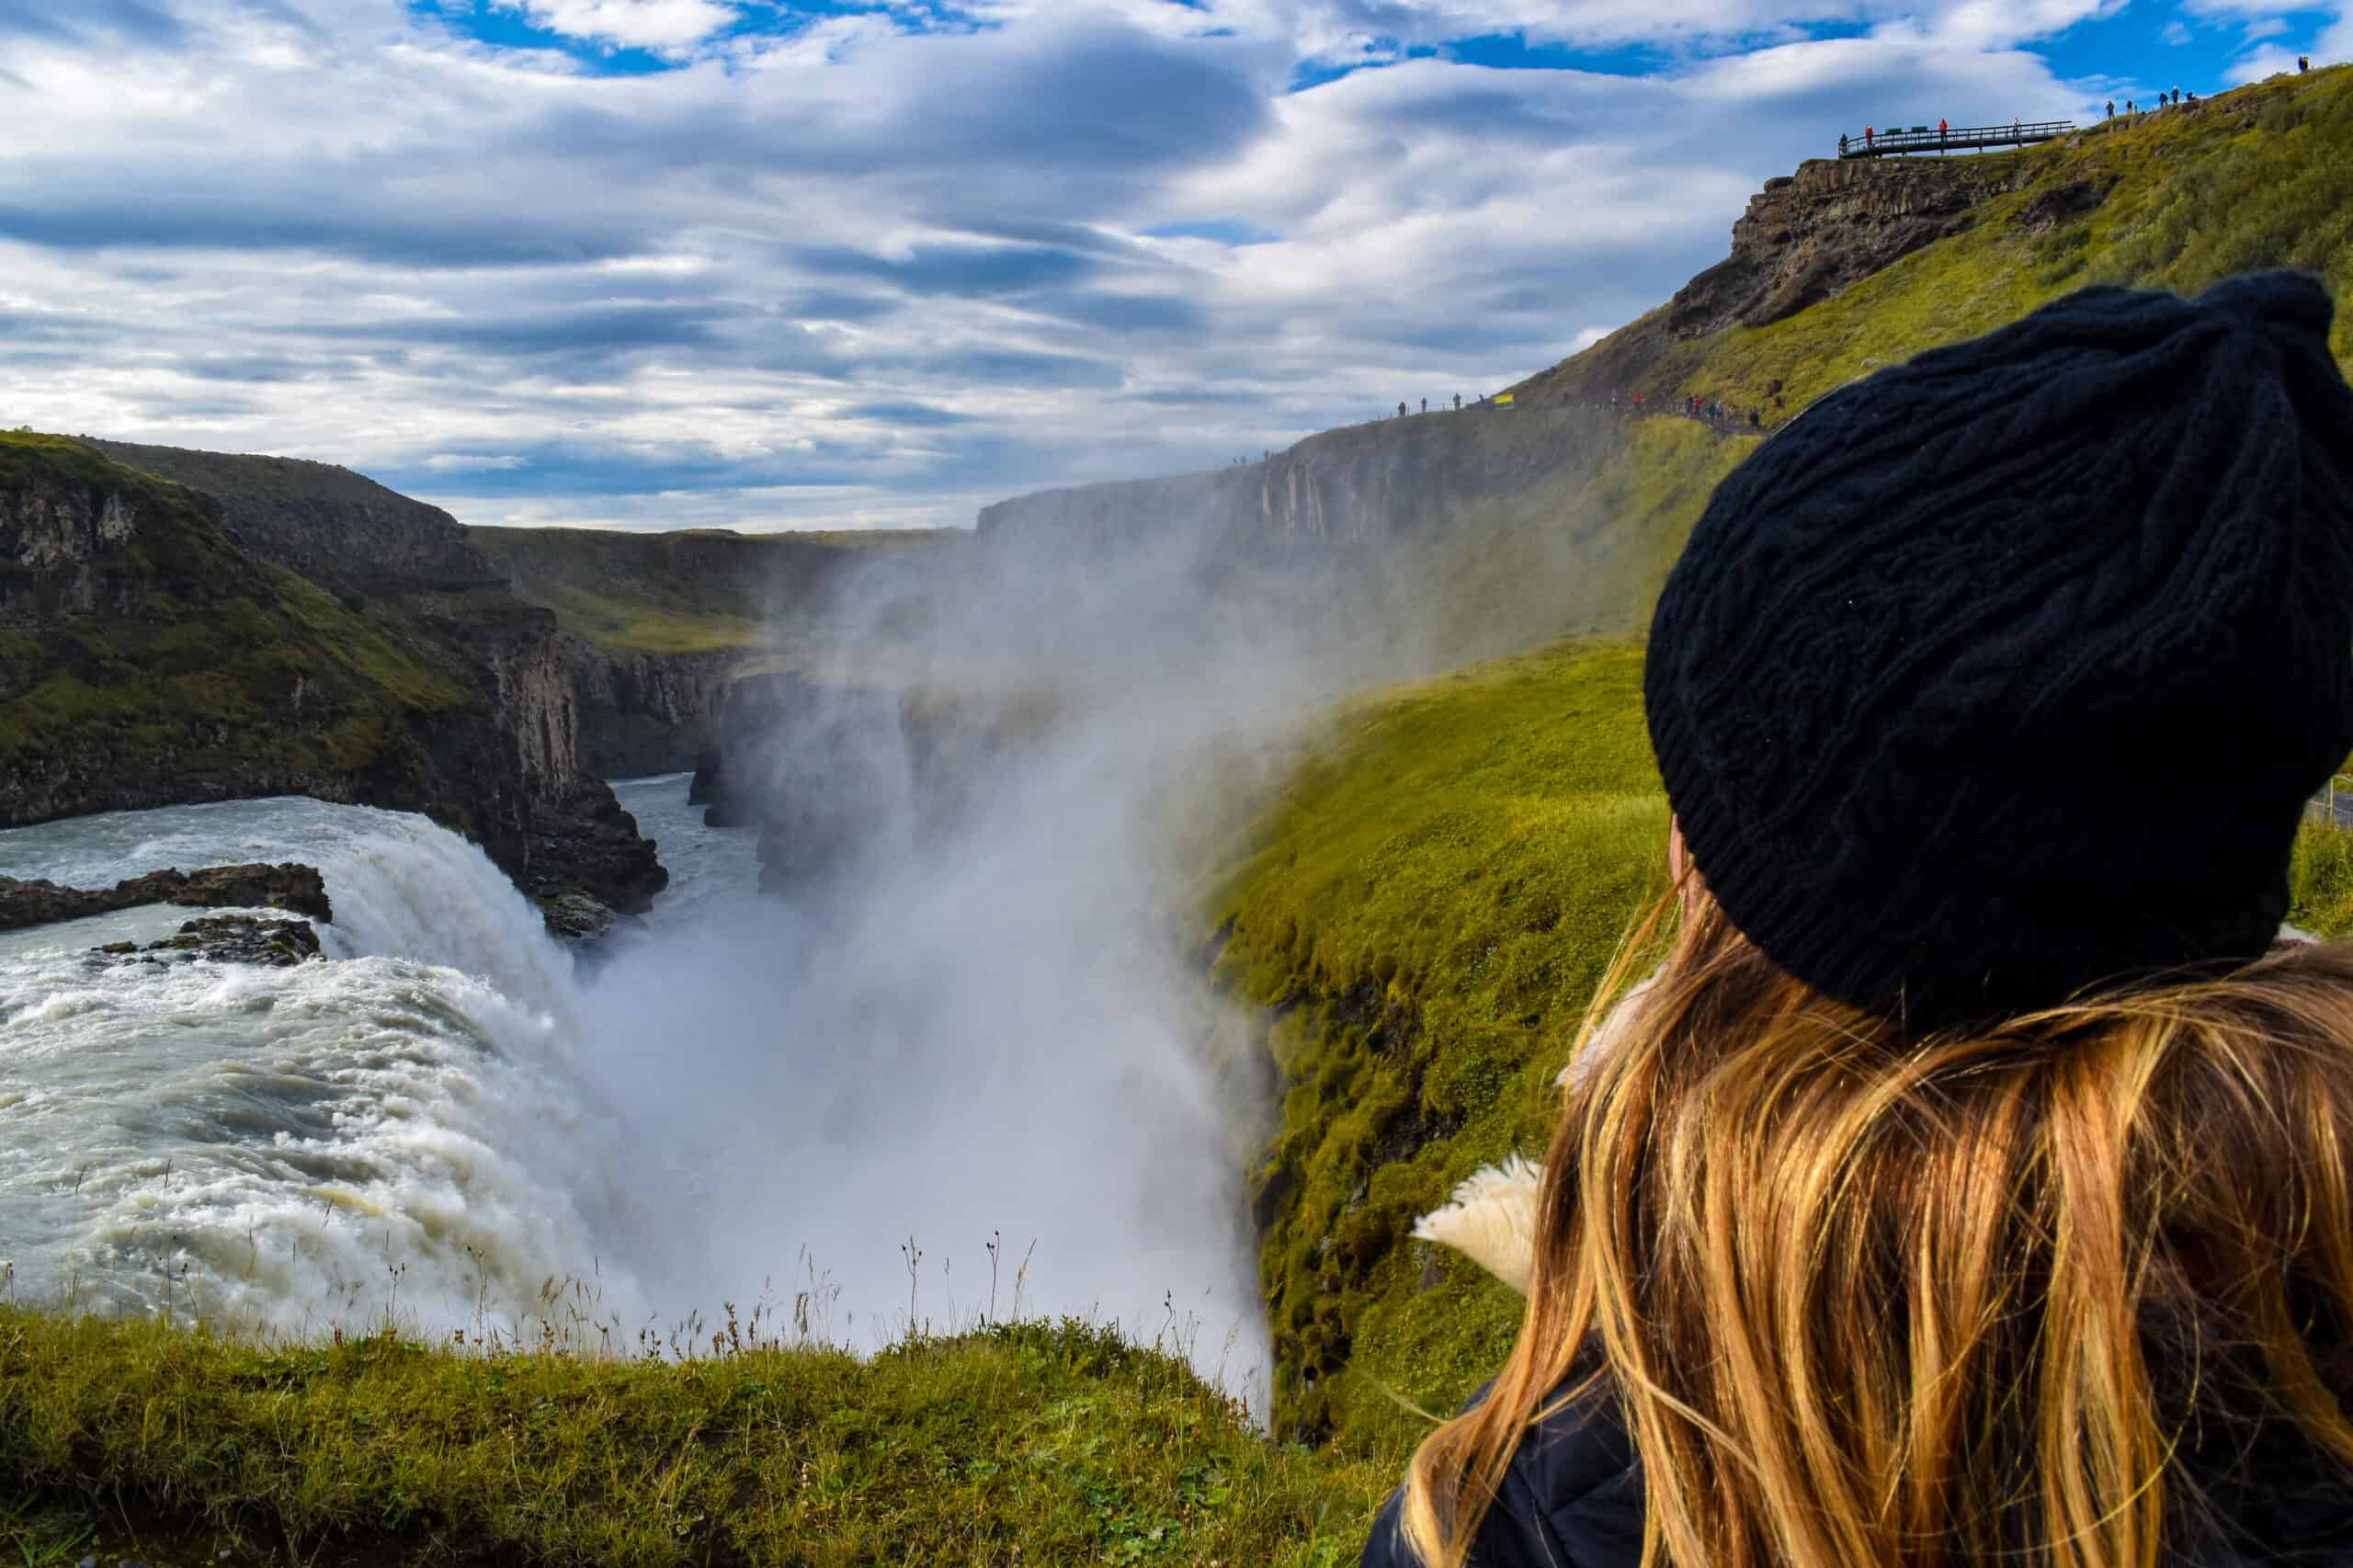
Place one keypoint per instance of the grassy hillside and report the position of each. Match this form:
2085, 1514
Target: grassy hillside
1015, 1444
211, 663
689, 591
2259, 178
1425, 915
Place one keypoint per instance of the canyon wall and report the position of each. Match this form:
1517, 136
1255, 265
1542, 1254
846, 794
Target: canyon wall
158, 645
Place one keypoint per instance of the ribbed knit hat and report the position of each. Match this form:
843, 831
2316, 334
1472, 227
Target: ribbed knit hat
2007, 672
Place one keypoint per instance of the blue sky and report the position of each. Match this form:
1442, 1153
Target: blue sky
660, 263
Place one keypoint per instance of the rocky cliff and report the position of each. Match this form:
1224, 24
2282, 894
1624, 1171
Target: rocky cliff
341, 530
656, 625
156, 645
830, 772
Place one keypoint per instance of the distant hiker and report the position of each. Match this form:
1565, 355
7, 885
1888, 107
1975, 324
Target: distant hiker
1842, 143
1458, 402
1756, 420
1867, 138
1638, 400
2111, 109
2131, 108
1426, 405
1969, 1185
1942, 130
1401, 408
2176, 94
2304, 63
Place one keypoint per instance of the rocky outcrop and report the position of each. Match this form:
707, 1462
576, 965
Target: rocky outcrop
339, 529
1810, 235
299, 889
304, 631
230, 938
1806, 238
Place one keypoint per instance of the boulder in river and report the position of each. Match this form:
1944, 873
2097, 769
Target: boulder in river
299, 889
576, 917
230, 938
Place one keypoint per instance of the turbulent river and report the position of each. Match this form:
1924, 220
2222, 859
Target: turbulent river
450, 1121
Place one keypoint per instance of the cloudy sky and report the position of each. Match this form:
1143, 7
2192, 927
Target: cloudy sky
658, 263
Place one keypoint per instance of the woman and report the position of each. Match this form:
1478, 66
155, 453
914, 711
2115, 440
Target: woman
1974, 1183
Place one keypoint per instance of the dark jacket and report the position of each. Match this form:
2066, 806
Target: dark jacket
1572, 1498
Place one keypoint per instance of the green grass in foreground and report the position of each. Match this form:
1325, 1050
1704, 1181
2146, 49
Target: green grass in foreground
1024, 1443
2320, 880
1425, 914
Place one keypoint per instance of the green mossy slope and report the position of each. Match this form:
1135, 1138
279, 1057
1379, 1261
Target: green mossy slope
1027, 1443
2259, 178
1426, 915
202, 660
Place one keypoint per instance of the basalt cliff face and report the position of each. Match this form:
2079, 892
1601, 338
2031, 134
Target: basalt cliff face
829, 774
656, 627
1360, 485
159, 644
645, 714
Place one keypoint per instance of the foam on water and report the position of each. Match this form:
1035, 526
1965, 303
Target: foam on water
401, 1129
746, 1096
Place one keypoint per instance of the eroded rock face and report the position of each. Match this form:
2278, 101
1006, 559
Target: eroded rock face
459, 705
576, 917
295, 888
1806, 236
645, 714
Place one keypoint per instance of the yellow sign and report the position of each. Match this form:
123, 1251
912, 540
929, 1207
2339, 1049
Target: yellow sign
1503, 397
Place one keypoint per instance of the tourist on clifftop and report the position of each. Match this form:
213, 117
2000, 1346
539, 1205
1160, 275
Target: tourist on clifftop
1971, 1185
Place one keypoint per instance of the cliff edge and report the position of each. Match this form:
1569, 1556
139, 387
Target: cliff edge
157, 645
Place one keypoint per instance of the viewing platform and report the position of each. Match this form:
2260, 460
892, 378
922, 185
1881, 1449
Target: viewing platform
1903, 141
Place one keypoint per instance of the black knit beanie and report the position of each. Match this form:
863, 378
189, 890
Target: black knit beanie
2007, 672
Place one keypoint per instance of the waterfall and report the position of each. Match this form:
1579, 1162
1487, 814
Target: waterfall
402, 1131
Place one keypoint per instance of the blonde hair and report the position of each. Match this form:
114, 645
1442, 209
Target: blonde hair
1925, 1302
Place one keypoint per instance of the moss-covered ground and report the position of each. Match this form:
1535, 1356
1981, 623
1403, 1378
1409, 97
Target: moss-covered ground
1425, 916
1025, 1443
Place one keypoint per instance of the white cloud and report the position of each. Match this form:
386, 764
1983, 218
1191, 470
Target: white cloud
856, 276
2175, 33
665, 25
462, 462
2270, 60
2264, 27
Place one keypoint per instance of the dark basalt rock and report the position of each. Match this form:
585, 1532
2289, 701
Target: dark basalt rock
298, 889
230, 938
576, 917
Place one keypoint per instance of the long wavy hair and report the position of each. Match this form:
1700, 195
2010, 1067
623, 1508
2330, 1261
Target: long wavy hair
2035, 1294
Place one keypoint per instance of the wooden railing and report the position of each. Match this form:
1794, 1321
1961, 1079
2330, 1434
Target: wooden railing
1898, 140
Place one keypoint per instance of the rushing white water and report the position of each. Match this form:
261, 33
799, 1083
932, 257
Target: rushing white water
743, 1096
402, 1127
